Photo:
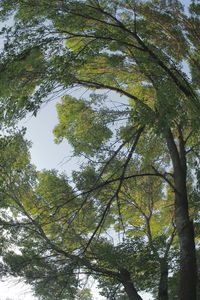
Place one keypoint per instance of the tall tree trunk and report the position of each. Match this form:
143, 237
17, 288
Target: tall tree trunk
125, 279
184, 226
163, 283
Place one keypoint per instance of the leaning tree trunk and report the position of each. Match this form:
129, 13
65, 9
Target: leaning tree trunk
163, 282
184, 226
125, 279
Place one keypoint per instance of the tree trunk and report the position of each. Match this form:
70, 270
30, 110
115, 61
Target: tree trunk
188, 268
184, 226
163, 283
125, 279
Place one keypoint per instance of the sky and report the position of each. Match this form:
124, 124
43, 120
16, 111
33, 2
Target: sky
45, 154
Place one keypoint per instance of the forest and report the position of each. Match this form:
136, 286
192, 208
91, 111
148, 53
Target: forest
128, 218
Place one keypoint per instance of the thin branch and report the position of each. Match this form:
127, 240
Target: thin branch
116, 194
95, 37
189, 136
97, 85
164, 177
115, 154
193, 147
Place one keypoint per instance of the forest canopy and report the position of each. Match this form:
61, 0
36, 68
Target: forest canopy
138, 131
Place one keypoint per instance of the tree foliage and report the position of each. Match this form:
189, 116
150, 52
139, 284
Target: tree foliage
141, 173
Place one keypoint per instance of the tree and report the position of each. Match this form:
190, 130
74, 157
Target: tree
47, 225
149, 214
51, 229
136, 49
51, 241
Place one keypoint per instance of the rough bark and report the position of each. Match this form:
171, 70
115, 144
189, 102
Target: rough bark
125, 279
163, 283
184, 226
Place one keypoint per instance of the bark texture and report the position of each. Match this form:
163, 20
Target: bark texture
163, 283
184, 226
125, 279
